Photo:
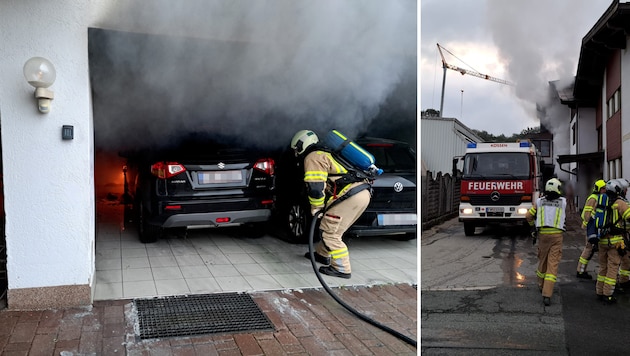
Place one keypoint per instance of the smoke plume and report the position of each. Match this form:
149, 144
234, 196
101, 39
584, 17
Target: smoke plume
254, 70
541, 43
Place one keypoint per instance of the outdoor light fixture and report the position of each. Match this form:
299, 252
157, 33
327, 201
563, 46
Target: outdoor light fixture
40, 73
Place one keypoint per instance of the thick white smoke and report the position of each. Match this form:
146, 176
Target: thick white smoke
540, 42
258, 70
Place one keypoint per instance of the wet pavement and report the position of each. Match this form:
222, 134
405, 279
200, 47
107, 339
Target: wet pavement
306, 322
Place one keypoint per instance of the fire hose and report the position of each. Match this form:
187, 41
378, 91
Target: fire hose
311, 250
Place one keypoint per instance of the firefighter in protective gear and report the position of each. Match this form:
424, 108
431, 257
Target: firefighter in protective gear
610, 244
623, 281
341, 204
548, 214
588, 223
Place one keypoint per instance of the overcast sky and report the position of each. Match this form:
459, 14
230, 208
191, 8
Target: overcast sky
528, 42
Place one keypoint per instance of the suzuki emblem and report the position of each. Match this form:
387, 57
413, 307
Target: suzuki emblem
221, 165
398, 187
494, 196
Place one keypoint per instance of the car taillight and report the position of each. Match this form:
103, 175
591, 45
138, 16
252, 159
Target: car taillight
266, 165
166, 170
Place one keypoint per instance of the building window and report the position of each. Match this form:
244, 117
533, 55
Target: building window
544, 146
573, 134
614, 104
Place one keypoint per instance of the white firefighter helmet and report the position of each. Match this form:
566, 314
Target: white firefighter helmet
553, 185
302, 140
614, 187
624, 183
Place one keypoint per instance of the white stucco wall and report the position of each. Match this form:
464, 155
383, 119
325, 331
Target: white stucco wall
48, 182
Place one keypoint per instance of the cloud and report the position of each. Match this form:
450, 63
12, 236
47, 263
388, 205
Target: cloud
527, 42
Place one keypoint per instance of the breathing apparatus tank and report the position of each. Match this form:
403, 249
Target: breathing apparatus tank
352, 152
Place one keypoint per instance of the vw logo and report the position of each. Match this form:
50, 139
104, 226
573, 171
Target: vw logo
221, 165
494, 196
398, 187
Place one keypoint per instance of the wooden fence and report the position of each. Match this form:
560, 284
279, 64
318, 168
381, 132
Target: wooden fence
439, 198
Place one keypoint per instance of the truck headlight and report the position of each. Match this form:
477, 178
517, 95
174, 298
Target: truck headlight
522, 211
467, 211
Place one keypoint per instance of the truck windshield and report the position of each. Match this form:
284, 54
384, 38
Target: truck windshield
496, 165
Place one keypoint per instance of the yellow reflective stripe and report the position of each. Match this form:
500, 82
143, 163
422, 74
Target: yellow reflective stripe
340, 135
626, 214
338, 167
613, 240
556, 222
624, 272
360, 149
610, 281
546, 230
316, 201
315, 176
532, 210
600, 278
550, 277
540, 274
584, 261
342, 252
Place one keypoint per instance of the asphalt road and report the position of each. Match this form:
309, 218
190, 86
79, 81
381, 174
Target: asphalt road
479, 297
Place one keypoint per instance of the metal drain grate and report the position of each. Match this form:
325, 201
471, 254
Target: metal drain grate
199, 314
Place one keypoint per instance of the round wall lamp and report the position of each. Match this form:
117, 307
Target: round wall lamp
40, 73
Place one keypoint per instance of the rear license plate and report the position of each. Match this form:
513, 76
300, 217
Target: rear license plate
397, 219
494, 209
219, 177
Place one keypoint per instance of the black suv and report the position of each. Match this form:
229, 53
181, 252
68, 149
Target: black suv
391, 212
199, 184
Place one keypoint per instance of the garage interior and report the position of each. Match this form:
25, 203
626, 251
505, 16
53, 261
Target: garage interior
151, 90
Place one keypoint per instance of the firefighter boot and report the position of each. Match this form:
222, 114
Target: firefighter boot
547, 301
328, 270
610, 300
319, 258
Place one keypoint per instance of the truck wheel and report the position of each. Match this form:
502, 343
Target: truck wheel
469, 229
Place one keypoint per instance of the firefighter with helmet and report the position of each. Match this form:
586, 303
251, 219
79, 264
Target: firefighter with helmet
611, 244
336, 201
588, 223
623, 281
548, 215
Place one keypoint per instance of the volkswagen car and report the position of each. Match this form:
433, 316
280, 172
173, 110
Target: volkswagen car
392, 210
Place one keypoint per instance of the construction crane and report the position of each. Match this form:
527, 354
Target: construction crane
463, 71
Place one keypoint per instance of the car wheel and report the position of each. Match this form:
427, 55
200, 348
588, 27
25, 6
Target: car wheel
148, 233
469, 229
298, 223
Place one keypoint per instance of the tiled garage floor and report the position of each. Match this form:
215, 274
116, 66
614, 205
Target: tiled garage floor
219, 260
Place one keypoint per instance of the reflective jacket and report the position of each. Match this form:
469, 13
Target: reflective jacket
321, 170
548, 215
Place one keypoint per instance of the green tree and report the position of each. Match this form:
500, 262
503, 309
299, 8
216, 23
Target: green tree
488, 137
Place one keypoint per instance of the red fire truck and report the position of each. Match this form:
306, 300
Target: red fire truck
499, 182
